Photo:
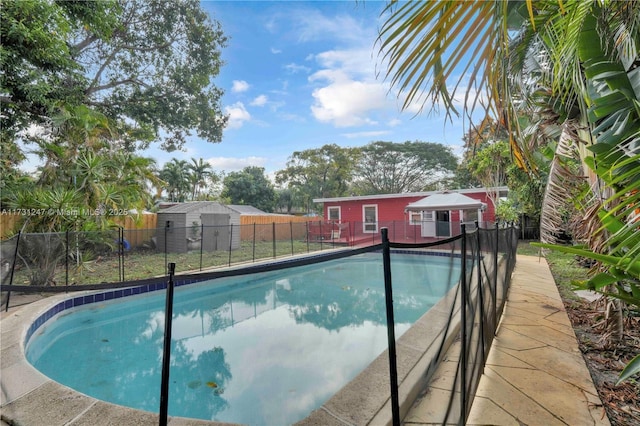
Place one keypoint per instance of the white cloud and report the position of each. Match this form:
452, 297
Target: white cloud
293, 117
238, 115
233, 164
259, 101
356, 62
311, 25
239, 86
275, 51
295, 68
346, 103
349, 94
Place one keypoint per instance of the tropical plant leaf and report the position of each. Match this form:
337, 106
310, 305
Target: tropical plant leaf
623, 263
631, 369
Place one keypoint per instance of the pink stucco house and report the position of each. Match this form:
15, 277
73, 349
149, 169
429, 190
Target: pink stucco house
411, 216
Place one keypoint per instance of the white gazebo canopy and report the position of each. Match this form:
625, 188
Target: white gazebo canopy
446, 201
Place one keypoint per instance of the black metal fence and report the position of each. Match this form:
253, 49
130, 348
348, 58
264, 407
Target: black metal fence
485, 258
117, 255
78, 258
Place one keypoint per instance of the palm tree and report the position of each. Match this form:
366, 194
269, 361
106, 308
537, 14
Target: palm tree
176, 174
138, 174
565, 74
538, 59
200, 171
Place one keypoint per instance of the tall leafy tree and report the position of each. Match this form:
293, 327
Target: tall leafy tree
488, 163
321, 172
147, 65
38, 69
251, 187
387, 167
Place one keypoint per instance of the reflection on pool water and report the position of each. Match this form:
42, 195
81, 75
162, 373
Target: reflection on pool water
262, 349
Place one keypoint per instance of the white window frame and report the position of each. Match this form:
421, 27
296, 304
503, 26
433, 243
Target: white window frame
415, 218
464, 214
329, 209
369, 227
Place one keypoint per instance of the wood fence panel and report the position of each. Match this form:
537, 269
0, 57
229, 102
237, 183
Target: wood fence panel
138, 231
264, 227
9, 224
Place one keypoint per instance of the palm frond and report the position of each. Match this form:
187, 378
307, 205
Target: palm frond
563, 184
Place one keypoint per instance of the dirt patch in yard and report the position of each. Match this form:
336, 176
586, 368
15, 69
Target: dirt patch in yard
606, 361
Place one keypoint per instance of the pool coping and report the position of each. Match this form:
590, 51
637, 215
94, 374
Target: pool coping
28, 396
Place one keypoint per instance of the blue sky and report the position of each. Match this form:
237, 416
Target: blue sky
298, 75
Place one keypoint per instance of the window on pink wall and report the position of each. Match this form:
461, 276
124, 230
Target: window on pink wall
333, 213
370, 218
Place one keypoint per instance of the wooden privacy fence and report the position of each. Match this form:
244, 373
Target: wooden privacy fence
138, 229
8, 224
286, 227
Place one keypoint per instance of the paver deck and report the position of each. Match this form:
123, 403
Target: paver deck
535, 373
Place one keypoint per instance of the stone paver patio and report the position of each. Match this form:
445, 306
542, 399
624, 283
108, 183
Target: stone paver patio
535, 373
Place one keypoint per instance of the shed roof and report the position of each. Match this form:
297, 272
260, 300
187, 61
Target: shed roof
242, 209
445, 201
191, 206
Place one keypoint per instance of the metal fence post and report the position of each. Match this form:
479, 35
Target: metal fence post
480, 292
495, 280
13, 267
307, 228
166, 357
166, 231
333, 244
291, 233
509, 232
201, 242
122, 251
388, 296
273, 234
66, 259
463, 329
119, 251
253, 259
230, 241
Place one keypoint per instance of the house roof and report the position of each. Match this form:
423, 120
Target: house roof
190, 206
247, 209
445, 201
501, 189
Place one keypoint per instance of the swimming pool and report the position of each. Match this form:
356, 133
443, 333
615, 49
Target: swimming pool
263, 349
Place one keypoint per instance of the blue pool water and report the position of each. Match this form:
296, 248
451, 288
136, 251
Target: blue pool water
263, 349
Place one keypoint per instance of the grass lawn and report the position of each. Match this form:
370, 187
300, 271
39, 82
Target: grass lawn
142, 264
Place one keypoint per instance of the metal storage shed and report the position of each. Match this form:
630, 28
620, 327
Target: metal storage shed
184, 222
